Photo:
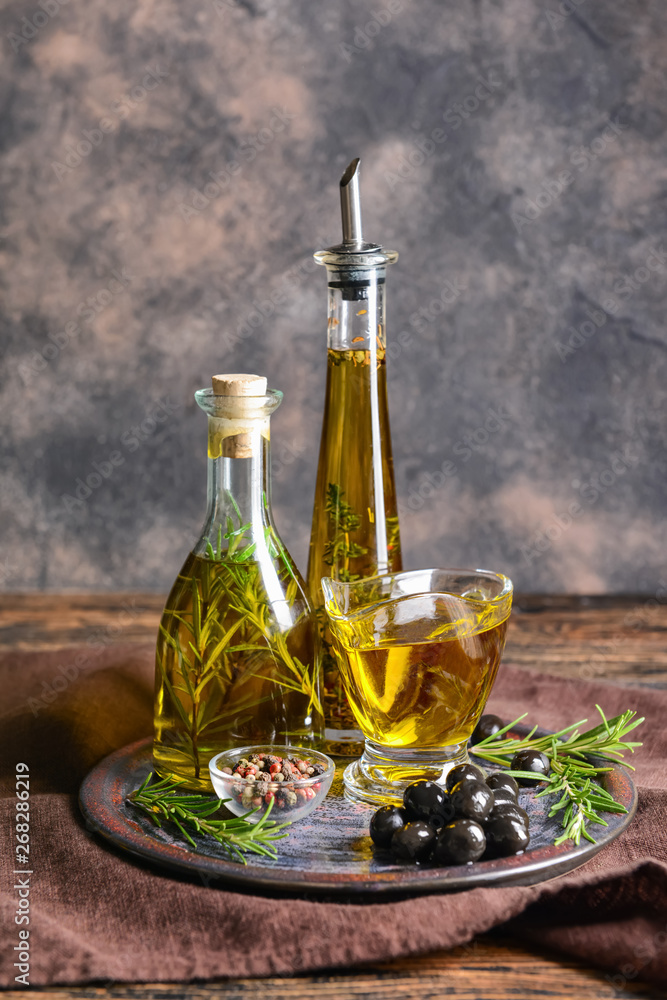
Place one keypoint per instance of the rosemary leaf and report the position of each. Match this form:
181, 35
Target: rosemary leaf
578, 761
189, 813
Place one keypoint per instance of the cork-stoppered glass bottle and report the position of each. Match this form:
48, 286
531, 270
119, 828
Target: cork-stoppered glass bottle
237, 658
355, 530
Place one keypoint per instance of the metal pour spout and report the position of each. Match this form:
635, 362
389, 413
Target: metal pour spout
350, 204
352, 251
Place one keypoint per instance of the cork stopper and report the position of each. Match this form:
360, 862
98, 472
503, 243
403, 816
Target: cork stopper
239, 385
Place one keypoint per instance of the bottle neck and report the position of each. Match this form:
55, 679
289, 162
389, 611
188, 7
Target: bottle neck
356, 310
239, 488
356, 383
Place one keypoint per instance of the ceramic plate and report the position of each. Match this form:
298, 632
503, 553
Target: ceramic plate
330, 851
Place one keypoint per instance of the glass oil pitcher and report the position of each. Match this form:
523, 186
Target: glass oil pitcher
237, 660
355, 520
419, 653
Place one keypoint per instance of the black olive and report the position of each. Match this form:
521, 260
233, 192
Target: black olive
487, 726
384, 824
472, 800
464, 772
531, 760
414, 842
503, 795
443, 814
421, 798
509, 809
506, 835
501, 780
459, 843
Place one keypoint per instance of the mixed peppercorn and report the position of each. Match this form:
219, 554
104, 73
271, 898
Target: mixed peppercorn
265, 778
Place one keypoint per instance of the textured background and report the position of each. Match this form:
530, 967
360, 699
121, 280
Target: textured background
528, 436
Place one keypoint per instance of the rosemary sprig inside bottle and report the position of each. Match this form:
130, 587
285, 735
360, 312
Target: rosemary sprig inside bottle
163, 802
222, 657
343, 522
573, 775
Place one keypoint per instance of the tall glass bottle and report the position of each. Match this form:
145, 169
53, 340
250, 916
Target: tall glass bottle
355, 520
237, 657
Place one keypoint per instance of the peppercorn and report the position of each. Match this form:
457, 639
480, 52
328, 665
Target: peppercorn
265, 778
289, 797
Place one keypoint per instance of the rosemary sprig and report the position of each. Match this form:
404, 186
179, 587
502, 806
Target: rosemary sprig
573, 776
217, 634
163, 802
343, 520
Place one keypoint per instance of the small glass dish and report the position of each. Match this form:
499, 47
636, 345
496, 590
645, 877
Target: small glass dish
292, 799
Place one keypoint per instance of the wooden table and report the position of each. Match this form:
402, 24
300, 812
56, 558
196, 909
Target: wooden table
620, 639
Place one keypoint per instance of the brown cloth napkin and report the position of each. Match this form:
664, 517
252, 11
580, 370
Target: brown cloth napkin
98, 915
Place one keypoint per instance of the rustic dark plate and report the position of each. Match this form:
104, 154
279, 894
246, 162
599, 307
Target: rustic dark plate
330, 851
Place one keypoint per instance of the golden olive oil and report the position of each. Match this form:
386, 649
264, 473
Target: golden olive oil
354, 532
420, 695
227, 674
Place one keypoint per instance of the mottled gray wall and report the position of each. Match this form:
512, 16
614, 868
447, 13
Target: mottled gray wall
513, 152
